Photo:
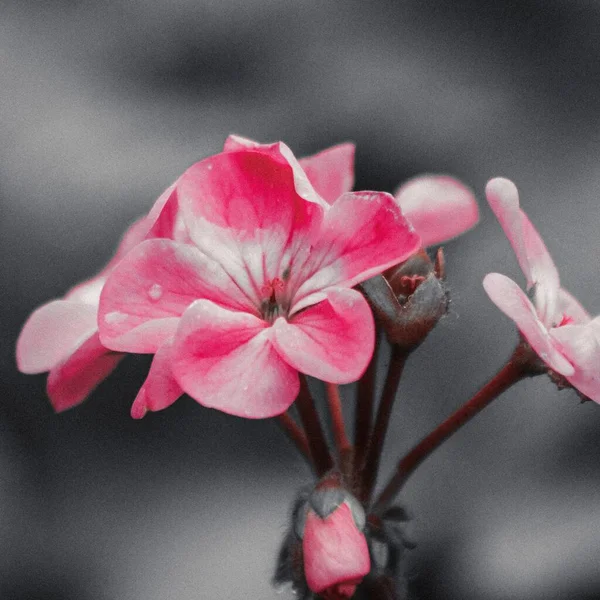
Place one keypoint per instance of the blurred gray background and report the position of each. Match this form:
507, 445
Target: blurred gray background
103, 104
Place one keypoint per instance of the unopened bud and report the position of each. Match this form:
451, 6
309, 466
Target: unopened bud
409, 299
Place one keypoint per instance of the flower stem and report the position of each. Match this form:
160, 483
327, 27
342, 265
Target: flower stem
342, 444
317, 443
365, 398
397, 360
517, 368
295, 433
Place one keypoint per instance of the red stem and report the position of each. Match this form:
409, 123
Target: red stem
337, 418
515, 369
295, 433
319, 451
365, 399
397, 360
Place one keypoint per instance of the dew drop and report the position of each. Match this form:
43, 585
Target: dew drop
155, 292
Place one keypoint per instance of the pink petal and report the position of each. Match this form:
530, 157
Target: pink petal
242, 209
281, 153
363, 234
225, 360
160, 389
515, 304
334, 550
331, 171
532, 254
569, 307
332, 340
70, 382
581, 345
150, 289
438, 207
52, 332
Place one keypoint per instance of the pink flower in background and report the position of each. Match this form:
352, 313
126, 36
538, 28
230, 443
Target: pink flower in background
556, 326
62, 337
439, 207
264, 291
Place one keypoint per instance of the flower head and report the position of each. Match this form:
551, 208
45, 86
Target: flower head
556, 326
264, 288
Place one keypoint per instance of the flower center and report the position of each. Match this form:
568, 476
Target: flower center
566, 320
274, 303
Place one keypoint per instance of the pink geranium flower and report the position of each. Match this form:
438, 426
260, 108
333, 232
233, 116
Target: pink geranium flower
556, 326
439, 207
61, 337
264, 291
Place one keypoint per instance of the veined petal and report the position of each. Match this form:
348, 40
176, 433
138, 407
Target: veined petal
515, 304
438, 207
243, 210
332, 340
581, 345
533, 256
331, 171
70, 382
225, 360
52, 332
161, 388
149, 290
363, 234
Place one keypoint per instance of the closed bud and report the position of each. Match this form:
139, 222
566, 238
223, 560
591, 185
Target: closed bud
409, 299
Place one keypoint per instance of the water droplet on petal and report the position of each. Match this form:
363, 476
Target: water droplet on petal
155, 292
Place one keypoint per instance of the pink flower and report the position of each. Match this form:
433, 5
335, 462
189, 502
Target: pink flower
556, 326
439, 207
264, 290
62, 337
335, 551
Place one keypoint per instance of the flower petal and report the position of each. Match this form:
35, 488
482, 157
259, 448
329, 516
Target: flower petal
150, 289
362, 234
438, 207
515, 304
533, 256
52, 332
570, 307
332, 340
331, 171
161, 388
225, 360
70, 382
242, 209
281, 153
581, 345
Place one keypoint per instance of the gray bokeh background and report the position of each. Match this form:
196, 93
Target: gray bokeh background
104, 104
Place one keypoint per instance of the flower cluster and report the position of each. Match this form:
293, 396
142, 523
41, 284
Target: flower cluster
255, 269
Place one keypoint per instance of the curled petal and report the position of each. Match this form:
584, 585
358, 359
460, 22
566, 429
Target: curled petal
533, 256
438, 207
331, 171
581, 345
150, 289
363, 234
515, 304
70, 382
332, 340
52, 332
225, 360
160, 389
281, 153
